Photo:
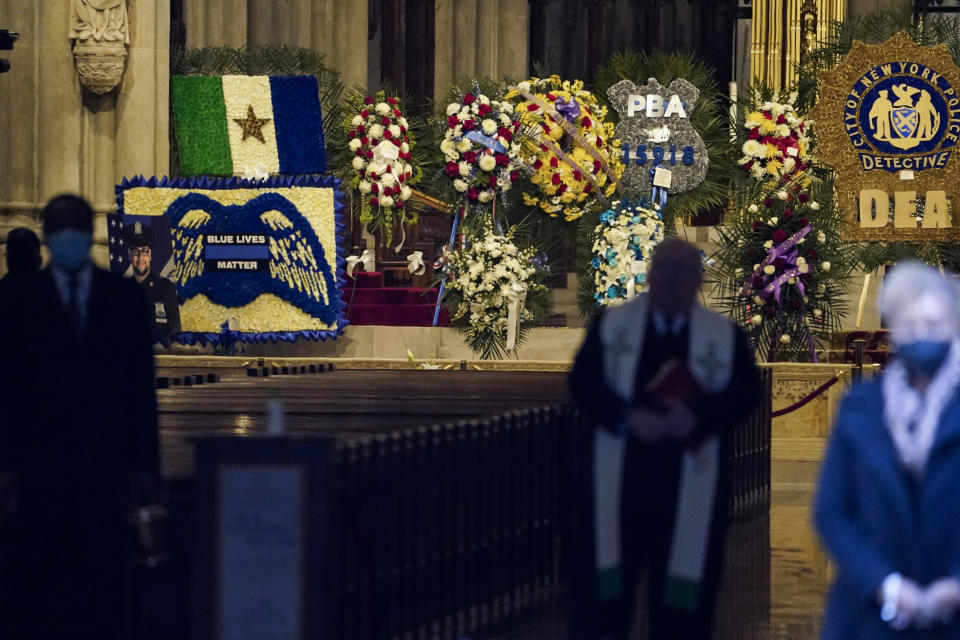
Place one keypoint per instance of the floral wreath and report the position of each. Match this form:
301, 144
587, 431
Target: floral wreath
491, 286
571, 151
625, 241
777, 144
479, 148
788, 266
381, 142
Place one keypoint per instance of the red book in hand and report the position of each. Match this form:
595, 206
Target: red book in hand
674, 381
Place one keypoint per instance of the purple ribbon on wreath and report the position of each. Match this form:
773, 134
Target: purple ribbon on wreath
569, 109
786, 250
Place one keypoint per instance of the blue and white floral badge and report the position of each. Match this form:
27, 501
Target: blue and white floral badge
902, 116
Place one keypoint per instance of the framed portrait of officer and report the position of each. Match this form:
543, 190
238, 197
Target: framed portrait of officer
147, 249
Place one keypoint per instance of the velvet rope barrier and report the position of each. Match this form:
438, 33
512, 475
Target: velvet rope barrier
803, 401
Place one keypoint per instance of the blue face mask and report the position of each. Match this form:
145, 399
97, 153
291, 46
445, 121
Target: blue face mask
69, 248
923, 357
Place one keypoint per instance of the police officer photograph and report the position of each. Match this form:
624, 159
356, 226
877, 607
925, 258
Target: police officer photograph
161, 293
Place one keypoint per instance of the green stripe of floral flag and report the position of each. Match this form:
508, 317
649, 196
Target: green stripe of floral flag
200, 117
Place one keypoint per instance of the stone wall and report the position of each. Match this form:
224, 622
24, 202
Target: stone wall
56, 138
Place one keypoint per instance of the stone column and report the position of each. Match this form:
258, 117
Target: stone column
336, 28
62, 139
479, 38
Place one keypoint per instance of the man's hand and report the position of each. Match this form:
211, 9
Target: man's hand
941, 600
8, 496
647, 426
680, 420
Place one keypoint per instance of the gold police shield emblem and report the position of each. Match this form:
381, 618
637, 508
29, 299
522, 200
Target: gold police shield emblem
888, 121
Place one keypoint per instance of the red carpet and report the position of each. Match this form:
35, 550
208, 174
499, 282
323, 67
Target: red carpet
369, 302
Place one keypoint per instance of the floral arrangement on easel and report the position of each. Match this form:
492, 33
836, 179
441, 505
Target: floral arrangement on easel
480, 154
626, 238
381, 143
570, 149
494, 289
781, 265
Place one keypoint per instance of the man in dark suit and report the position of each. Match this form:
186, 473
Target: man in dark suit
665, 382
79, 435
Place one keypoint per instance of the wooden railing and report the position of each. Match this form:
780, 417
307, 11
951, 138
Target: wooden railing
439, 531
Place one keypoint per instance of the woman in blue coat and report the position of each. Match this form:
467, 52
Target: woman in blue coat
888, 504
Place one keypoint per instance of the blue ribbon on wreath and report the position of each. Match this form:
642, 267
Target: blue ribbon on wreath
444, 268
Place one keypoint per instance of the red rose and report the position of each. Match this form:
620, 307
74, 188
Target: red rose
586, 122
385, 121
768, 115
503, 159
492, 182
554, 162
748, 166
779, 235
387, 134
374, 142
484, 109
532, 107
374, 188
754, 134
551, 97
555, 179
397, 113
781, 119
468, 125
361, 130
353, 133
803, 197
768, 202
513, 176
561, 188
403, 130
453, 121
473, 193
599, 142
471, 156
360, 153
397, 142
368, 100
364, 140
596, 166
588, 188
546, 128
787, 214
468, 98
577, 175
365, 114
537, 163
369, 155
452, 169
392, 100
402, 177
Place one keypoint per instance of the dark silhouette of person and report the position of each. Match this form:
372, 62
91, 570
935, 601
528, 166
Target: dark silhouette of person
23, 251
665, 382
78, 430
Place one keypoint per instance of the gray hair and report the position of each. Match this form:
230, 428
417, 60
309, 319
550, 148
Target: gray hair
908, 281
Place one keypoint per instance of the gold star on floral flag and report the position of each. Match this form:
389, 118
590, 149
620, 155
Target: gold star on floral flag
252, 125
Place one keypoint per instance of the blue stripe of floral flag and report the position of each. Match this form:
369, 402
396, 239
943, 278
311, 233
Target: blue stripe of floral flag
299, 128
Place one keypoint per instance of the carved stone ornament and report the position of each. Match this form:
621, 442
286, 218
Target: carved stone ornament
101, 33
